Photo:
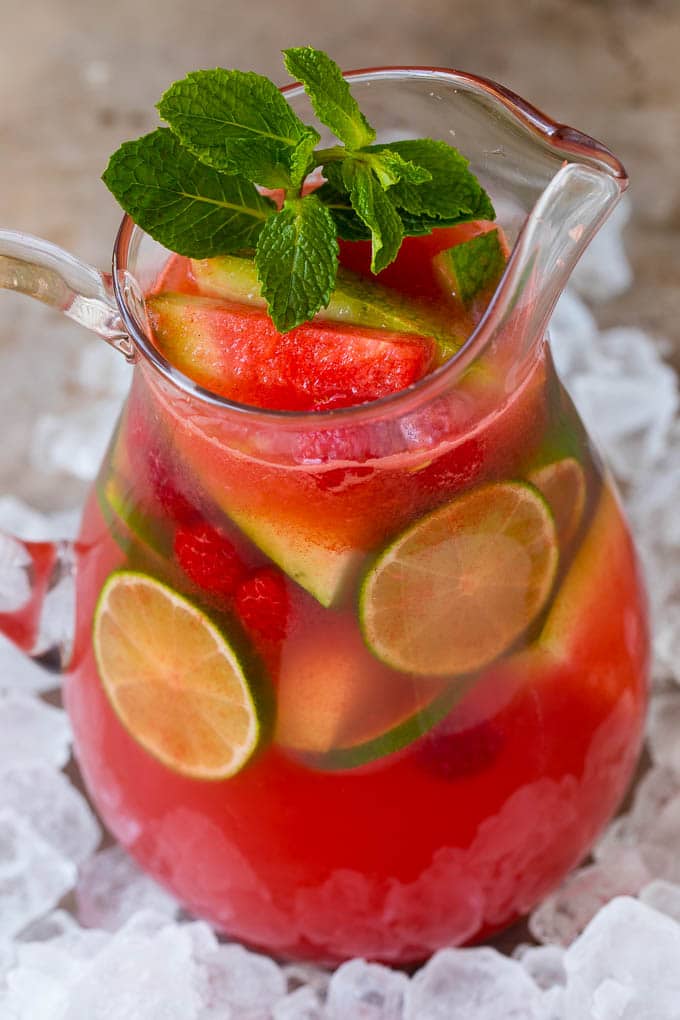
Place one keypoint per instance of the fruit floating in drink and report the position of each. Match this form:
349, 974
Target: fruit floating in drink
361, 653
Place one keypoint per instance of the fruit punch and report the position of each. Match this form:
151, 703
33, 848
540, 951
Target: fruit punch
371, 681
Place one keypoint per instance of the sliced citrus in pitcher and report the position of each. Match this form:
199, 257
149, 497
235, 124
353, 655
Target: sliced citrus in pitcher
173, 679
463, 583
563, 483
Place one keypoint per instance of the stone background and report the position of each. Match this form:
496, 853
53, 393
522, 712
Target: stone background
78, 77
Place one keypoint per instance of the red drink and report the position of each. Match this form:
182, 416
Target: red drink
423, 775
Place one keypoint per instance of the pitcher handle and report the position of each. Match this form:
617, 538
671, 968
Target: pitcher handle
37, 579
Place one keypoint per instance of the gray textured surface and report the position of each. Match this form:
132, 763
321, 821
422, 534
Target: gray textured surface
78, 77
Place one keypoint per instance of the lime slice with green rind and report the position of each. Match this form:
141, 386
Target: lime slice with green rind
462, 584
563, 484
175, 681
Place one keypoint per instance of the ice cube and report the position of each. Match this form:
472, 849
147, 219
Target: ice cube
624, 966
573, 335
23, 520
32, 994
366, 991
7, 955
52, 926
33, 876
239, 983
302, 1004
54, 808
18, 672
545, 964
15, 572
663, 896
561, 917
32, 731
298, 974
551, 1006
667, 640
111, 888
138, 978
474, 984
629, 417
150, 922
74, 442
655, 791
663, 730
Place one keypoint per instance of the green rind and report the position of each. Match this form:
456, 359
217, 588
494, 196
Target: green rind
378, 561
472, 267
117, 506
354, 300
395, 739
325, 573
258, 693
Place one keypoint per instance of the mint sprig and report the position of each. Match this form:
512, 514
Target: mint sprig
196, 186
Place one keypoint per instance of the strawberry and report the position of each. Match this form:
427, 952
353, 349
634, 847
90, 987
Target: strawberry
208, 558
262, 603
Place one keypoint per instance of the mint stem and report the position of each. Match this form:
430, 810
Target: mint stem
334, 154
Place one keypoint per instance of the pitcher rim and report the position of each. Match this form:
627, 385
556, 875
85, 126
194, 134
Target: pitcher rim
560, 137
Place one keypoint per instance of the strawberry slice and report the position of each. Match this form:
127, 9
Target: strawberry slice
236, 351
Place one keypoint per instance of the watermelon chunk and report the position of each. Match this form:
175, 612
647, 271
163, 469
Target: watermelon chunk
355, 301
412, 273
235, 350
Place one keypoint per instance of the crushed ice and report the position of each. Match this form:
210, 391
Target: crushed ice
84, 935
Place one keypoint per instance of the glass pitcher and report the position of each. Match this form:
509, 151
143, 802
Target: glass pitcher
368, 681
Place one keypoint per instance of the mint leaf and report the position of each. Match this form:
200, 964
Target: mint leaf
184, 205
238, 122
297, 261
374, 208
472, 267
452, 193
302, 160
329, 94
347, 223
390, 168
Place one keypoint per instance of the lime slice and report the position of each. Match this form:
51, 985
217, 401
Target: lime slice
172, 678
563, 484
460, 585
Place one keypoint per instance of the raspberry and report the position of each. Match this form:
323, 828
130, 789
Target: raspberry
174, 503
208, 558
151, 458
465, 753
262, 603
